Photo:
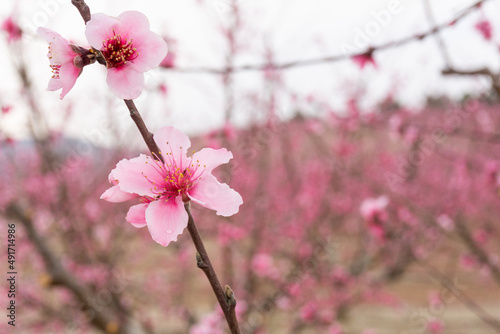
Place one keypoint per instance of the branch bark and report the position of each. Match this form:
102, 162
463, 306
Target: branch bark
146, 135
83, 9
225, 297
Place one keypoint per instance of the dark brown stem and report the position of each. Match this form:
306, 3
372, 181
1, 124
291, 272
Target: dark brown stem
225, 297
83, 9
146, 135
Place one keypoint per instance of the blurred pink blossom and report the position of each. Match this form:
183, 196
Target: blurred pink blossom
6, 109
14, 32
435, 326
169, 60
445, 222
263, 265
165, 187
335, 329
129, 47
364, 59
308, 312
374, 208
484, 27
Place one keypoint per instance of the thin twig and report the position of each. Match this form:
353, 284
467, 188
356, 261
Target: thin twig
332, 58
83, 9
146, 135
225, 297
439, 38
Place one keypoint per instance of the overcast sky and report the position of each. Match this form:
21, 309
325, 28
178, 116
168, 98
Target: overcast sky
294, 29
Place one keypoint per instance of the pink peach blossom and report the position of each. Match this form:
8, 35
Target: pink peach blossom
6, 109
435, 326
169, 60
163, 188
372, 208
14, 33
263, 265
364, 59
129, 47
61, 56
484, 27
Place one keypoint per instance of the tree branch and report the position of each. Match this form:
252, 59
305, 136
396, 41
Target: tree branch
83, 9
146, 135
225, 297
332, 58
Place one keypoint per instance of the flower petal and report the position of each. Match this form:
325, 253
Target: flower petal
59, 50
209, 159
54, 84
100, 28
68, 73
173, 144
116, 195
133, 23
166, 220
138, 176
125, 82
137, 215
216, 196
152, 50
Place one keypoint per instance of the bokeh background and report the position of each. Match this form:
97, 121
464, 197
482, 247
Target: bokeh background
365, 147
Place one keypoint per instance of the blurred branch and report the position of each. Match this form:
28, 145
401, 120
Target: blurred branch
439, 38
479, 253
495, 77
462, 297
101, 318
332, 58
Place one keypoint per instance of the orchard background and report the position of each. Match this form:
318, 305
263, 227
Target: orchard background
365, 148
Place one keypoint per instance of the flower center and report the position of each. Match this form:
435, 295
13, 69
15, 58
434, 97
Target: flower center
177, 180
117, 51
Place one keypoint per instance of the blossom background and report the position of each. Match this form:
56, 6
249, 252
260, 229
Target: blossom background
371, 194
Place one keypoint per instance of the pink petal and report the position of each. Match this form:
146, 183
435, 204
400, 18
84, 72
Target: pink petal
125, 82
152, 50
138, 176
54, 84
364, 59
209, 159
137, 215
116, 195
59, 50
173, 144
216, 196
100, 28
68, 73
133, 23
166, 220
